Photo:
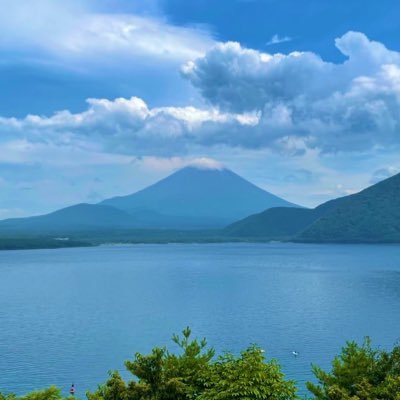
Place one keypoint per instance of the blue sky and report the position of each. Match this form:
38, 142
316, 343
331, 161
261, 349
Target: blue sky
100, 98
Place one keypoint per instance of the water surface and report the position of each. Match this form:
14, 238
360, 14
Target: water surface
70, 315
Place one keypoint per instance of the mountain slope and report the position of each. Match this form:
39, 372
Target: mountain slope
281, 222
80, 217
275, 223
372, 215
199, 197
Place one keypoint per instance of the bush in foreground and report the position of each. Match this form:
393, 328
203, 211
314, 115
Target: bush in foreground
193, 374
358, 373
52, 393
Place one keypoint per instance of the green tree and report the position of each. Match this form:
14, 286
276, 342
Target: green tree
192, 374
51, 393
162, 375
359, 373
247, 377
114, 389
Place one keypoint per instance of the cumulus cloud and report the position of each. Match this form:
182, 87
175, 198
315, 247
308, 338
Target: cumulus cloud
256, 106
285, 102
125, 126
289, 103
303, 100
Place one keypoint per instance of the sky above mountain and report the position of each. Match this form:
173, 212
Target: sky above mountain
102, 98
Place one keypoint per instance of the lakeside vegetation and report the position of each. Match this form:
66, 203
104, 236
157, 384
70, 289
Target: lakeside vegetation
359, 372
101, 237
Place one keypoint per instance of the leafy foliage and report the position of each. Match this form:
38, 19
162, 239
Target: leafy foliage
162, 375
360, 373
247, 377
51, 393
193, 374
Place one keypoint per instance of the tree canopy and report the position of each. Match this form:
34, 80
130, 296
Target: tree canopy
359, 372
195, 374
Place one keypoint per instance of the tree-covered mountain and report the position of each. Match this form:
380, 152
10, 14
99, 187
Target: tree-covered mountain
372, 215
275, 223
197, 197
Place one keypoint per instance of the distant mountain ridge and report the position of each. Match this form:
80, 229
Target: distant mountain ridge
372, 215
202, 200
80, 217
191, 198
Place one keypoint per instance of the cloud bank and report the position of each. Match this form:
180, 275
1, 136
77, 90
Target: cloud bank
128, 126
302, 98
289, 103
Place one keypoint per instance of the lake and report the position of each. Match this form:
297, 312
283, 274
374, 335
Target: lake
70, 315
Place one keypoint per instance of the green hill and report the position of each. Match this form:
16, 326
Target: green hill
80, 217
279, 223
274, 223
372, 215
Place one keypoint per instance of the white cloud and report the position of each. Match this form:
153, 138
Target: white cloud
289, 103
261, 107
169, 164
276, 39
384, 173
130, 35
127, 126
75, 31
206, 163
303, 99
22, 151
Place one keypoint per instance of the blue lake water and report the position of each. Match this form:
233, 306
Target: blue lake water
71, 315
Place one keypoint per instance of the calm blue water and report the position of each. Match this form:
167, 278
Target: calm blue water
71, 315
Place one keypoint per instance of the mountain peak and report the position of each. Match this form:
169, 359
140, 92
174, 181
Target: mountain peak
202, 191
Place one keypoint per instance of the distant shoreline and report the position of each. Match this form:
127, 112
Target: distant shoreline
7, 244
